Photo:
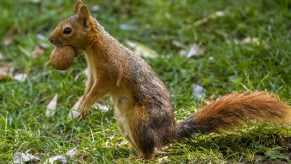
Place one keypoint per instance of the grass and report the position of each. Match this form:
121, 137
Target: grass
227, 65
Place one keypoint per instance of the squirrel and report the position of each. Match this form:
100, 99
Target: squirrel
143, 107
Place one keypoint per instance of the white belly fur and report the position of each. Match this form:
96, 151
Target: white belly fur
122, 119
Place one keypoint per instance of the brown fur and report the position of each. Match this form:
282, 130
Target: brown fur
233, 110
142, 103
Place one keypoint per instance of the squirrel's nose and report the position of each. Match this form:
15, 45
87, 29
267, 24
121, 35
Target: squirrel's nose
51, 39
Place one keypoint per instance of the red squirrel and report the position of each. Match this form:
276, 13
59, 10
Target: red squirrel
143, 107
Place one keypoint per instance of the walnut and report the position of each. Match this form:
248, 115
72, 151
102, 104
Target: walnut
62, 58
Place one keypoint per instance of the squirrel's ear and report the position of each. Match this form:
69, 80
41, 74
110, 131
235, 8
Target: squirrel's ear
78, 5
84, 15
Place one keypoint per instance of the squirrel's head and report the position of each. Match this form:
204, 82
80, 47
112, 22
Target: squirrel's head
74, 31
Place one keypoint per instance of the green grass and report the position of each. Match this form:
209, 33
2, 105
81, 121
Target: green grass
224, 67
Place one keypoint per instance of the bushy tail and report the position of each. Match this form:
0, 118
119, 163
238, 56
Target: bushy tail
233, 110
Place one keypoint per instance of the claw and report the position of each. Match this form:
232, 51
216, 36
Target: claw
80, 117
83, 113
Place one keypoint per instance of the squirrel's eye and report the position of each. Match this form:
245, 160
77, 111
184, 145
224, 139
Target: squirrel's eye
67, 30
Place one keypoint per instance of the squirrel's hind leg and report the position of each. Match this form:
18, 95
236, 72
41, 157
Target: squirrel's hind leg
133, 122
143, 136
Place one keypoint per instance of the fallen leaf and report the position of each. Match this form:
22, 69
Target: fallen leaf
21, 77
72, 152
183, 52
39, 50
43, 75
198, 91
195, 51
62, 158
8, 39
250, 40
95, 8
74, 113
54, 158
41, 36
52, 106
101, 105
204, 20
211, 58
127, 27
164, 160
1, 56
86, 72
210, 99
19, 157
177, 44
142, 50
4, 72
35, 1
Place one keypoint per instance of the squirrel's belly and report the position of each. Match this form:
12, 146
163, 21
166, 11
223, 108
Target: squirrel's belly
123, 124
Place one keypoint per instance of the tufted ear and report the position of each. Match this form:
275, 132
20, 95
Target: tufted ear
78, 5
84, 16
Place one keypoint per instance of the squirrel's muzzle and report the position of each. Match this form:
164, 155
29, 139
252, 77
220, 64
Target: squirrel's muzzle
51, 40
55, 41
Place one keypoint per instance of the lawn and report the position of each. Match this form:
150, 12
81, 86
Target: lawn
237, 45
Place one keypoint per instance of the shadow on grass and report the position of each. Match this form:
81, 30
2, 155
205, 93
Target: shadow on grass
262, 143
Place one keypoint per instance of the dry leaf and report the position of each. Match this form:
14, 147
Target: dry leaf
41, 75
1, 56
21, 77
208, 18
210, 99
127, 27
86, 72
74, 113
72, 152
249, 40
142, 50
41, 36
198, 91
19, 157
52, 106
62, 158
4, 72
177, 44
54, 158
8, 39
95, 8
195, 51
101, 105
39, 50
77, 76
164, 160
183, 52
252, 41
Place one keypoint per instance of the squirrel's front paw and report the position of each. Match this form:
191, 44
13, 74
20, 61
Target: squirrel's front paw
83, 112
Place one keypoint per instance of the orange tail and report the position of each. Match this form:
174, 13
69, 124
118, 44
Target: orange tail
233, 110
